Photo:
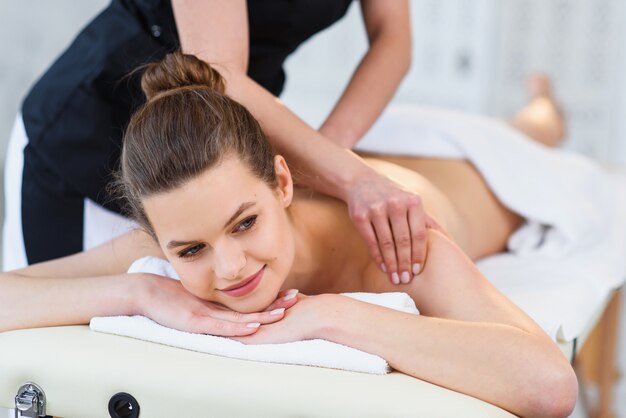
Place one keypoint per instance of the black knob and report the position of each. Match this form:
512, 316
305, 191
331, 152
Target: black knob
123, 405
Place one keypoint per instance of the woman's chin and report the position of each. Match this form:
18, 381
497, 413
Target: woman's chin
253, 304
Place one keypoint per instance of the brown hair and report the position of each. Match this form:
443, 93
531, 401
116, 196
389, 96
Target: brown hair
187, 126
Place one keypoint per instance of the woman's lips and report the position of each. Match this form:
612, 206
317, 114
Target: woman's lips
247, 285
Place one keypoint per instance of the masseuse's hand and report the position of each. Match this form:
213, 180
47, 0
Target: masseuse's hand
393, 223
170, 304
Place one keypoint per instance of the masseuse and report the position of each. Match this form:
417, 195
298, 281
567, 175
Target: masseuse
73, 118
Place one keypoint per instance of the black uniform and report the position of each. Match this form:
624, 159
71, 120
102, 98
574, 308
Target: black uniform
75, 115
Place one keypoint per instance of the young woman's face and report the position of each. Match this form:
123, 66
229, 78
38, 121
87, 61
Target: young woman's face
227, 234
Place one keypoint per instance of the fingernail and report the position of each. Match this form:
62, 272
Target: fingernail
383, 267
416, 268
406, 277
253, 325
277, 311
394, 278
291, 294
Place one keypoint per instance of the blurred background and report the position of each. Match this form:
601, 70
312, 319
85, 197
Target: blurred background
473, 55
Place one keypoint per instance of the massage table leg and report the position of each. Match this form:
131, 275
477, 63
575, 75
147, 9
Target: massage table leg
597, 362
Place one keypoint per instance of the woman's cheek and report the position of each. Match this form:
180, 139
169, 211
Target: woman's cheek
193, 278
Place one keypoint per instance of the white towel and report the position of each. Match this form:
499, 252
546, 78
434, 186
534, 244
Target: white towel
569, 255
311, 352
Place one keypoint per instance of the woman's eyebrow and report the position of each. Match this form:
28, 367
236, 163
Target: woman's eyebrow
239, 211
242, 207
174, 244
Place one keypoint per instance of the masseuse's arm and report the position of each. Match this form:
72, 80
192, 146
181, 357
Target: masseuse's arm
390, 218
74, 289
378, 75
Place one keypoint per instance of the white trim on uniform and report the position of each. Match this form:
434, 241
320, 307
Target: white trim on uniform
101, 225
13, 251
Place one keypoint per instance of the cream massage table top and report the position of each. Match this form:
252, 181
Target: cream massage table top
79, 370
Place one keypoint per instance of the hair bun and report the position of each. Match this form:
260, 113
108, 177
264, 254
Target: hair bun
178, 70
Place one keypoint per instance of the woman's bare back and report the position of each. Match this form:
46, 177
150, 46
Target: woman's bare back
452, 192
478, 221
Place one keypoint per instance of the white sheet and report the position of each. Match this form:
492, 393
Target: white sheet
571, 253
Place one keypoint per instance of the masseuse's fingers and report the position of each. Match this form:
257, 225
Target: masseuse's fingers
396, 215
386, 245
402, 236
418, 221
366, 229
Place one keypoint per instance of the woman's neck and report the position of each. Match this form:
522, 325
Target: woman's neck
327, 258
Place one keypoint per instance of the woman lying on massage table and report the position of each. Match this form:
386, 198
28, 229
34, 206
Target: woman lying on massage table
215, 201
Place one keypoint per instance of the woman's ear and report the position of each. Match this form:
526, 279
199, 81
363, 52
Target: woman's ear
285, 182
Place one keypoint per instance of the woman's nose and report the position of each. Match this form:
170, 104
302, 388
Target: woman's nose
229, 262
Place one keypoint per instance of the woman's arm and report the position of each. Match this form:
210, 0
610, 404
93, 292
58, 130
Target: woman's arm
74, 289
390, 218
468, 338
378, 75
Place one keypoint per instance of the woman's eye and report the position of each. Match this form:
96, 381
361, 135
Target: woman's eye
190, 252
245, 224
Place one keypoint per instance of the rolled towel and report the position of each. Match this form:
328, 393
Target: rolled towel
317, 352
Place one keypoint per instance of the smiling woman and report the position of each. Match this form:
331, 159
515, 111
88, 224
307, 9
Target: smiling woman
215, 201
225, 250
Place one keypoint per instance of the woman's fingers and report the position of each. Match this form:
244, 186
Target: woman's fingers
224, 322
231, 323
222, 328
286, 299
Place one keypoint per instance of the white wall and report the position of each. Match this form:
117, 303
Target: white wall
476, 55
33, 34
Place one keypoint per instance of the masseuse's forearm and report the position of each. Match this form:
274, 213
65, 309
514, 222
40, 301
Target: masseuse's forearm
371, 88
498, 363
29, 302
314, 159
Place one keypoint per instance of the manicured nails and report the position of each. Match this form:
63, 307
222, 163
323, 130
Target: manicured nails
291, 294
406, 277
416, 268
278, 311
383, 267
395, 278
253, 325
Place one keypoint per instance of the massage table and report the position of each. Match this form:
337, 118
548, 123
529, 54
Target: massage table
81, 371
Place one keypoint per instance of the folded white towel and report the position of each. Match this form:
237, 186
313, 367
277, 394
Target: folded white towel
311, 352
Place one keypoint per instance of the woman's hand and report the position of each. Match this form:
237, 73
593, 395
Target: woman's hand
393, 223
167, 302
305, 321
